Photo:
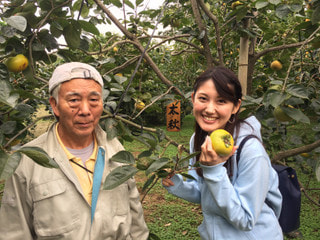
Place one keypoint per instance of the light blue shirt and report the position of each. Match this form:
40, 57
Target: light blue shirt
236, 208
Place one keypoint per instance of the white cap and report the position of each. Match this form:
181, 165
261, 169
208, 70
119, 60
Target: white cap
72, 70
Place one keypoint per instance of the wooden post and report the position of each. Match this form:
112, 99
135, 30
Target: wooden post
243, 61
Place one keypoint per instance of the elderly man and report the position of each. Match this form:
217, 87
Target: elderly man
68, 202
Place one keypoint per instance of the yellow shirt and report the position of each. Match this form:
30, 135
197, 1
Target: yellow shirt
85, 178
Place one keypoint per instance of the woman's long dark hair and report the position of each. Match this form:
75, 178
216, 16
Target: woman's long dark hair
228, 87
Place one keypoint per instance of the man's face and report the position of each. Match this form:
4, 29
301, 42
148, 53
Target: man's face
79, 109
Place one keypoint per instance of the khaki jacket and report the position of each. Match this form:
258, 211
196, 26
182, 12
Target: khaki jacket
45, 203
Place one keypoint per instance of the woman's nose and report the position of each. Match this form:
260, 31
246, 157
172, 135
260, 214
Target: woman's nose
211, 108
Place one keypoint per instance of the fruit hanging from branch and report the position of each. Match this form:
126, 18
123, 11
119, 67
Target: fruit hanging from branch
139, 105
17, 63
276, 65
280, 115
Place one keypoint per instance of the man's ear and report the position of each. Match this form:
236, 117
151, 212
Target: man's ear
54, 106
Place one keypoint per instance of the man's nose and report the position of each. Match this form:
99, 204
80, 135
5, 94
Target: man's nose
84, 108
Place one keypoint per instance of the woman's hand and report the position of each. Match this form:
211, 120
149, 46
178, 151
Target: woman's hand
209, 157
167, 181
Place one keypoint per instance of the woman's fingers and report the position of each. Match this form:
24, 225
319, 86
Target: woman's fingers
167, 182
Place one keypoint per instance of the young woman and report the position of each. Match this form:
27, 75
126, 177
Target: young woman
239, 201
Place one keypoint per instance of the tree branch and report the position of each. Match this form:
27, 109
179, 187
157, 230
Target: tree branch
140, 47
202, 28
216, 26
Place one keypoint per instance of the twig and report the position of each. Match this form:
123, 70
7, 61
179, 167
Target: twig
25, 129
308, 197
309, 39
154, 183
152, 130
153, 102
165, 149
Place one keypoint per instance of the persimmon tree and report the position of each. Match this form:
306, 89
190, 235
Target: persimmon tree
154, 57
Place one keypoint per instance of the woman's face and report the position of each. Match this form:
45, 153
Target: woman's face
211, 111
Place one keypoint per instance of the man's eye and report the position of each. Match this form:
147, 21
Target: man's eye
73, 100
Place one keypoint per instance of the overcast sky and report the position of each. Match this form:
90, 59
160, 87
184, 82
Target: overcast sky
117, 12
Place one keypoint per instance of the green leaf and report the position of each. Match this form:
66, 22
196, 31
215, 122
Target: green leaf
3, 160
161, 134
11, 165
118, 176
39, 156
148, 182
128, 3
5, 97
117, 3
120, 79
4, 74
18, 22
72, 36
241, 12
8, 127
89, 27
150, 139
316, 15
189, 157
188, 176
145, 154
138, 2
24, 111
297, 91
156, 165
261, 4
275, 2
111, 130
296, 114
162, 173
276, 98
282, 11
295, 7
123, 157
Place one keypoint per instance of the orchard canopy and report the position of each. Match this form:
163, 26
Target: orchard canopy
152, 55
